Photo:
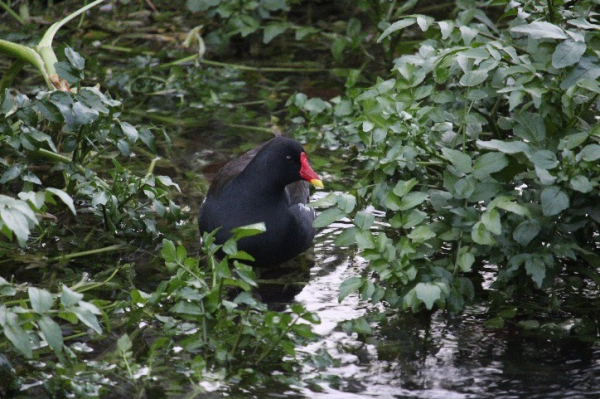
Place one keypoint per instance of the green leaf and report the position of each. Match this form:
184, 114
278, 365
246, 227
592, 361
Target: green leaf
590, 153
129, 131
346, 202
168, 251
507, 147
11, 173
489, 163
403, 187
491, 220
167, 182
460, 160
481, 235
364, 239
567, 53
536, 268
346, 237
124, 343
16, 222
446, 28
364, 220
495, 323
75, 58
87, 318
349, 286
64, 197
328, 216
15, 334
249, 230
69, 297
473, 78
544, 159
526, 231
271, 31
421, 234
67, 72
413, 218
40, 299
428, 293
540, 30
554, 201
465, 261
468, 34
391, 201
507, 204
52, 334
411, 200
581, 183
316, 105
396, 26
529, 324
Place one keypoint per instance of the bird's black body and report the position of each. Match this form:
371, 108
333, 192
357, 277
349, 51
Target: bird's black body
263, 185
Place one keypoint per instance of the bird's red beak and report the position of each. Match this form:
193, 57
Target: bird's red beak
306, 172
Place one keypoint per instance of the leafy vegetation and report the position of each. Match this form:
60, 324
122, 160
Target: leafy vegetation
462, 143
481, 147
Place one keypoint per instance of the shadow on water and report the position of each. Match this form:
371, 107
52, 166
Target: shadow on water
441, 356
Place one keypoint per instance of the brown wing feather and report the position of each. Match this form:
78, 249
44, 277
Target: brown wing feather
231, 170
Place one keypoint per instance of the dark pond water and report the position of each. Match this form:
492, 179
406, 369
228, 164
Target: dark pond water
442, 357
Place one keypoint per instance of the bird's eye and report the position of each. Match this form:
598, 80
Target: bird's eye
289, 158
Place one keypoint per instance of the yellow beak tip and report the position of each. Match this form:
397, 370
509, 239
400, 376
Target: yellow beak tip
317, 183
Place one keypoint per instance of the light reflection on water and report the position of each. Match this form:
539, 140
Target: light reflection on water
449, 357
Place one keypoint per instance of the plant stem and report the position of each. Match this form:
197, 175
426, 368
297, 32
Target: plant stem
12, 13
276, 342
44, 48
74, 255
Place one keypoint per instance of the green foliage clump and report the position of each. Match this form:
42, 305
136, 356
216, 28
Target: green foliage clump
481, 150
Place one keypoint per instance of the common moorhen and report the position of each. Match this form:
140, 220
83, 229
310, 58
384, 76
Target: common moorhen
267, 184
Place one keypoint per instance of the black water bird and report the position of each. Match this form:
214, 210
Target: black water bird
267, 184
